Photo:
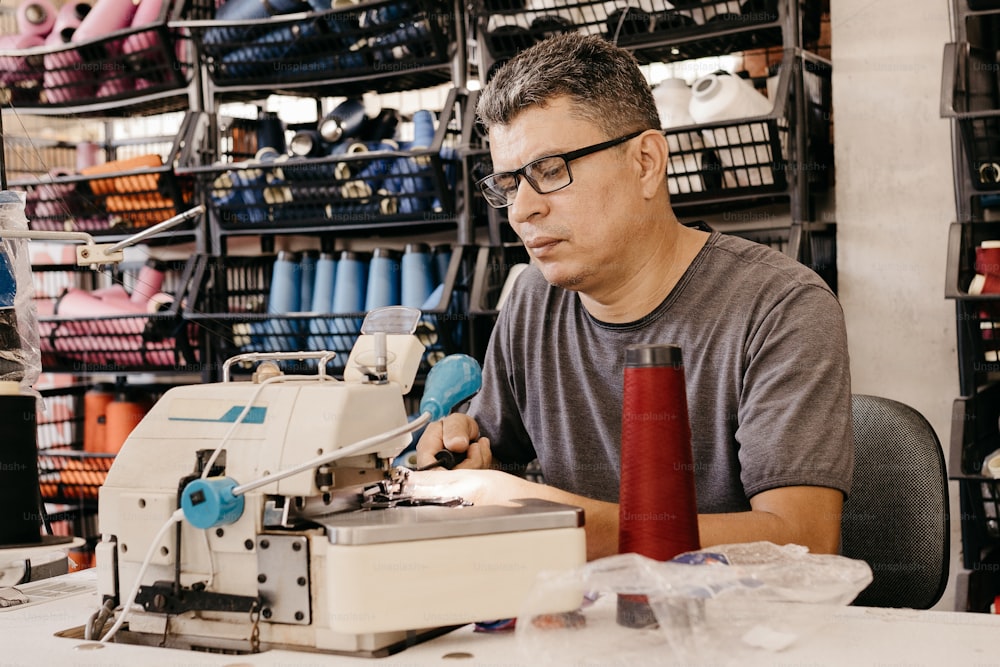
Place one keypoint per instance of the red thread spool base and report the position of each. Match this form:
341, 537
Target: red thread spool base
658, 516
633, 611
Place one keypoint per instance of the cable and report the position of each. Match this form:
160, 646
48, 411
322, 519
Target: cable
211, 560
178, 515
96, 622
343, 452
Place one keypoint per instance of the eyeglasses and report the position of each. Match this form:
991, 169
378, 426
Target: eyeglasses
546, 174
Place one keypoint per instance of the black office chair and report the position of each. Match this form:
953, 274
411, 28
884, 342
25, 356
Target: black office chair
896, 517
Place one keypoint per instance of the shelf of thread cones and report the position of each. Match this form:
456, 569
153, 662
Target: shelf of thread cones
655, 30
973, 282
106, 196
107, 58
297, 47
352, 171
29, 159
70, 476
731, 137
93, 322
305, 301
81, 429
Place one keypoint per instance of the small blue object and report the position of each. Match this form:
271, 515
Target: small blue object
452, 380
8, 283
989, 201
209, 502
432, 301
700, 558
502, 625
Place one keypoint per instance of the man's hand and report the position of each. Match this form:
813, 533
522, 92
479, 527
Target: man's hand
479, 487
458, 433
494, 487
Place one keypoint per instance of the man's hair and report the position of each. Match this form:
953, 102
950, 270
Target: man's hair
603, 82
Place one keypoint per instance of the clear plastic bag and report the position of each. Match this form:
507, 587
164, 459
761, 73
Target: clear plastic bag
20, 355
713, 606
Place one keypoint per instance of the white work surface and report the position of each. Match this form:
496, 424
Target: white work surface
854, 636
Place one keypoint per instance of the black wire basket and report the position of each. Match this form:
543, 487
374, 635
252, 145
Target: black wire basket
970, 94
89, 322
146, 67
232, 302
655, 30
113, 197
388, 45
361, 185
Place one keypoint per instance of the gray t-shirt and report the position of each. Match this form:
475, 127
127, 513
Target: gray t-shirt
765, 364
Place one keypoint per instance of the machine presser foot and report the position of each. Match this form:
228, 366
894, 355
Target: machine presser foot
391, 492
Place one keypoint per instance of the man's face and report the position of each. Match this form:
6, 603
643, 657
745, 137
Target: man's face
578, 236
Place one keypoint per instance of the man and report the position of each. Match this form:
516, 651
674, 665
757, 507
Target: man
581, 167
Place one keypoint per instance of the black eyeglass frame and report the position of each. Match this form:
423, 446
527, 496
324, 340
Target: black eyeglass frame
566, 157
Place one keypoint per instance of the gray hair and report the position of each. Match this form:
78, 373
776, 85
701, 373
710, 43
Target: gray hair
603, 81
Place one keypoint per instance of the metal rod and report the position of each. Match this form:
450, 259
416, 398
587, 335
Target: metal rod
157, 228
359, 447
324, 356
38, 235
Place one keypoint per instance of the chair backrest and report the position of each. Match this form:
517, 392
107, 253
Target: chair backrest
896, 516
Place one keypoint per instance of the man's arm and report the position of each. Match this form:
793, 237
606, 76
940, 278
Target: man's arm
804, 515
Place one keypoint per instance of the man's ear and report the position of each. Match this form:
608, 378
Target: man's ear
653, 154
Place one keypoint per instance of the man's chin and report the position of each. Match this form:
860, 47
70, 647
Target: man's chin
565, 280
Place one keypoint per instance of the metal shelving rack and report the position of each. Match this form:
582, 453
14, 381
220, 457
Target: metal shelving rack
424, 36
798, 124
970, 101
148, 77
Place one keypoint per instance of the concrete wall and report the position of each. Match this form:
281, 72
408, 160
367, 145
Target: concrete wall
894, 201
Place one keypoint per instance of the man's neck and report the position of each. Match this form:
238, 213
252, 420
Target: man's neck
652, 279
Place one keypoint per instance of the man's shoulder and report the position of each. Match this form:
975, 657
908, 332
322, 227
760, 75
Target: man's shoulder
735, 256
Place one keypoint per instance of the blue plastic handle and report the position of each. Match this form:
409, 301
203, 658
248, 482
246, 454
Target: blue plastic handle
210, 502
450, 381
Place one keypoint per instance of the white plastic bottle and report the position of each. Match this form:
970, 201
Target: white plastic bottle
744, 149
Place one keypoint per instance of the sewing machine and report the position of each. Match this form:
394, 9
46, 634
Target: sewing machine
300, 534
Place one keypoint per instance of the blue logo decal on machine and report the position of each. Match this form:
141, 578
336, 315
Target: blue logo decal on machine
213, 411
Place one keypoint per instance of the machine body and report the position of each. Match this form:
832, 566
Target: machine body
338, 556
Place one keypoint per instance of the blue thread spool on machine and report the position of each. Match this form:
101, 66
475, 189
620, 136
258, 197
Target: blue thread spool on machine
383, 279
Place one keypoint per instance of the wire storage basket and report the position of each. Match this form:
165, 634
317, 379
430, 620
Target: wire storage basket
73, 459
386, 45
976, 441
67, 473
748, 158
655, 30
91, 322
235, 305
117, 63
970, 95
128, 185
358, 182
973, 282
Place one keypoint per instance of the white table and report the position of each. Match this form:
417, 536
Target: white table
854, 636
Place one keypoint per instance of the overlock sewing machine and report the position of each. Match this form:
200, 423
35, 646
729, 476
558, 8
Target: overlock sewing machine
245, 516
